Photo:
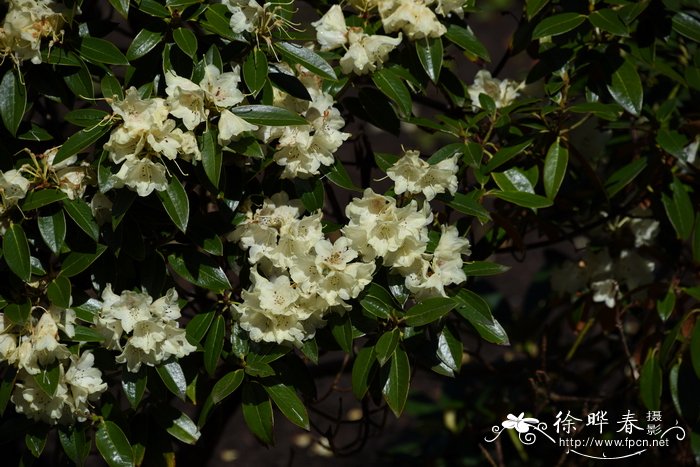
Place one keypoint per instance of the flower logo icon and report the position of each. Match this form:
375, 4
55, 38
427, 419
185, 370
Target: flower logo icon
520, 423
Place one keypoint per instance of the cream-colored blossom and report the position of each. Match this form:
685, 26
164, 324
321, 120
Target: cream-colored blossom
143, 175
411, 174
413, 17
221, 89
13, 187
331, 31
231, 126
366, 52
503, 92
26, 24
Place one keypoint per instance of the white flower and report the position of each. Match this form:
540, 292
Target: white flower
244, 14
503, 92
13, 187
142, 175
644, 227
231, 126
413, 175
606, 291
521, 423
412, 17
85, 384
26, 23
366, 52
221, 88
186, 100
31, 400
447, 7
331, 31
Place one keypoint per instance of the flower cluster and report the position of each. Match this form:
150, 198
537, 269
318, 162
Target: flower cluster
13, 187
503, 92
149, 327
35, 347
304, 275
28, 22
411, 174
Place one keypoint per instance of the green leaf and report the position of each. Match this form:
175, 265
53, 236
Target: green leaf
679, 209
173, 377
385, 346
255, 70
446, 152
100, 51
81, 141
74, 442
143, 43
695, 348
665, 306
686, 24
397, 381
650, 382
286, 399
200, 270
504, 155
313, 62
7, 385
80, 82
86, 334
513, 180
35, 133
555, 164
80, 212
257, 412
362, 368
198, 326
532, 7
218, 23
341, 328
622, 177
470, 205
76, 262
41, 198
609, 112
672, 142
187, 41
312, 193
176, 203
113, 445
557, 24
268, 115
16, 250
339, 176
527, 200
465, 38
211, 157
483, 268
47, 379
18, 313
609, 21
86, 117
473, 153
59, 292
695, 244
430, 53
393, 87
111, 88
385, 161
179, 425
122, 7
626, 88
35, 439
214, 345
13, 100
474, 309
59, 56
377, 301
310, 350
134, 385
449, 349
428, 311
226, 385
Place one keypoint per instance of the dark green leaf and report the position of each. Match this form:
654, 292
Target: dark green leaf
86, 117
378, 302
257, 412
449, 349
226, 385
397, 381
41, 198
513, 179
341, 328
76, 262
362, 371
428, 310
7, 384
626, 88
557, 24
465, 38
143, 43
198, 326
218, 22
81, 141
35, 439
310, 350
100, 51
134, 385
470, 204
430, 53
384, 161
13, 100
532, 7
666, 305
187, 41
16, 250
687, 24
113, 445
211, 157
47, 379
679, 209
153, 8
174, 379
200, 270
80, 212
473, 153
122, 7
214, 345
555, 165
255, 70
650, 382
608, 20
622, 177
18, 313
86, 334
605, 111
446, 152
176, 203
313, 62
80, 82
286, 399
377, 110
393, 87
475, 310
504, 155
695, 244
312, 194
36, 133
59, 292
483, 268
75, 443
339, 176
180, 426
527, 200
59, 56
385, 346
268, 115
111, 88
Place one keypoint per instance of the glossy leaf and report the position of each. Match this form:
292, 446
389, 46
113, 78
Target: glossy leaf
16, 252
98, 51
378, 301
679, 209
465, 38
626, 88
687, 24
200, 270
286, 399
13, 100
80, 212
176, 203
198, 326
430, 54
397, 381
211, 157
173, 377
134, 385
113, 445
143, 43
608, 20
555, 165
75, 444
308, 58
428, 310
558, 24
76, 262
268, 115
386, 344
257, 412
226, 385
59, 292
213, 345
475, 310
527, 200
255, 70
187, 41
362, 371
81, 141
650, 382
393, 87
